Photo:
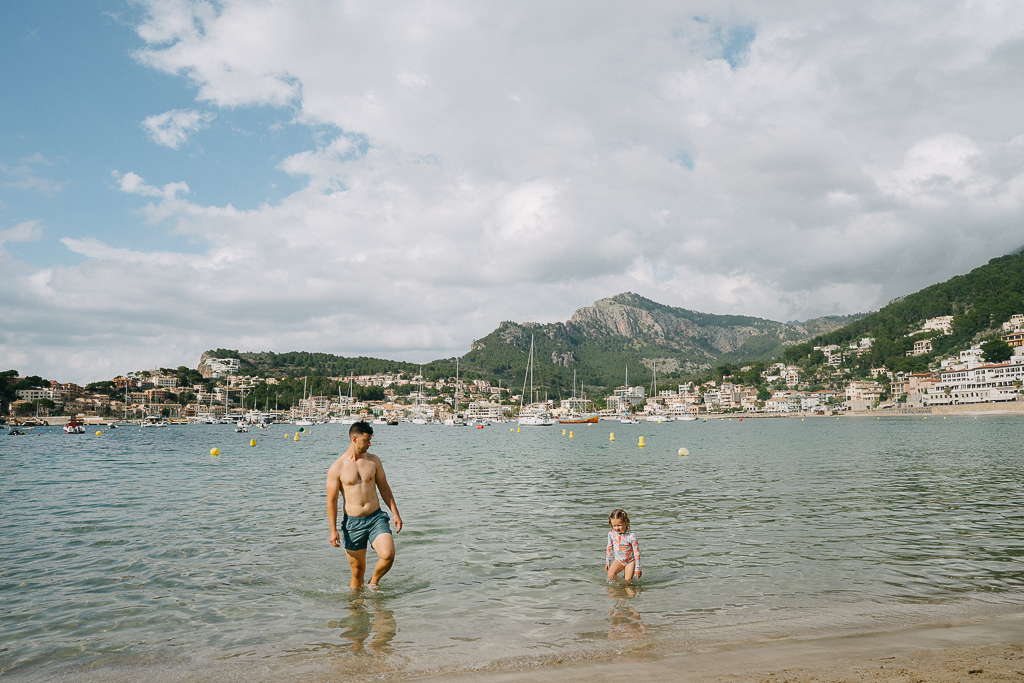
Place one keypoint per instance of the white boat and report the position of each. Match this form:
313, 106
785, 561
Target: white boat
154, 421
629, 421
454, 422
658, 418
74, 427
536, 420
303, 423
240, 427
686, 418
533, 418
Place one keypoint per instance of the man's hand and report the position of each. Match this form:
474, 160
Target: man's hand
398, 523
335, 538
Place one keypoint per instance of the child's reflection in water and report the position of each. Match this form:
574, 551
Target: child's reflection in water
626, 622
366, 617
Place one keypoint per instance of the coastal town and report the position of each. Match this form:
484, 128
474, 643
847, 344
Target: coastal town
217, 391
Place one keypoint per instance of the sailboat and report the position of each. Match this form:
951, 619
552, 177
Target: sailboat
657, 417
533, 418
625, 418
417, 408
304, 421
575, 417
455, 420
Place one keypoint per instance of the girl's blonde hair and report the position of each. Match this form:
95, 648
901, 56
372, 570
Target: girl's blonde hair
619, 515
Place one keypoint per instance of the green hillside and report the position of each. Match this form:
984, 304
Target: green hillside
979, 302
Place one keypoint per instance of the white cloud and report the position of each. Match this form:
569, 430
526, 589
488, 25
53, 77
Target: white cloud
515, 161
25, 175
26, 231
173, 128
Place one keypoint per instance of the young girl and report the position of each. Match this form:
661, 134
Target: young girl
623, 549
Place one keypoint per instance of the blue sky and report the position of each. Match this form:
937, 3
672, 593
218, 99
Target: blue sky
396, 180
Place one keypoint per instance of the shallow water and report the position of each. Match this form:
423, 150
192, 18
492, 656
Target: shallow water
138, 555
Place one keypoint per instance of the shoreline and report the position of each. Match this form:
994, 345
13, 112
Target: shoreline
978, 649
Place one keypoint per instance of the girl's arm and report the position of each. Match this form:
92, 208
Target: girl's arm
608, 552
636, 551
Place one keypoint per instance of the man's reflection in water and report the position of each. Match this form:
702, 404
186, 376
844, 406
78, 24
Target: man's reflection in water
626, 622
366, 617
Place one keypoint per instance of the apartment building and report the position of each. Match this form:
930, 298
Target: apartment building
983, 384
863, 395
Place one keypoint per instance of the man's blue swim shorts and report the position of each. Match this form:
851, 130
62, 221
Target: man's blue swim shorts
359, 532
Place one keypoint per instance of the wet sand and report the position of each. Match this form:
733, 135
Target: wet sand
976, 651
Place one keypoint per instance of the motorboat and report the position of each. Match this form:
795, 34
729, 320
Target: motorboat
74, 427
241, 427
536, 420
658, 418
629, 420
15, 432
154, 421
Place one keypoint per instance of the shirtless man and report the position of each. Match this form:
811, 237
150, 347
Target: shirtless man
357, 475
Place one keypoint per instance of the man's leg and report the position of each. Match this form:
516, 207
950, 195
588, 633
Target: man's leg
384, 545
357, 559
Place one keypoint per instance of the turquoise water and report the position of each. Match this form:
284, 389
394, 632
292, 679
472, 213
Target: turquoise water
136, 555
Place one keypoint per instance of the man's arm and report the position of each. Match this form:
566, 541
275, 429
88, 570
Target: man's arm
333, 489
387, 496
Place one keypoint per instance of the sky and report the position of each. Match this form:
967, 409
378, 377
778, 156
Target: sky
396, 179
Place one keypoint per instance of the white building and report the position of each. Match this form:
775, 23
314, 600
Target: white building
1016, 322
621, 398
943, 323
981, 384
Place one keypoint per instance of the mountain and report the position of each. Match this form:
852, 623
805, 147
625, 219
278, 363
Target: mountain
599, 341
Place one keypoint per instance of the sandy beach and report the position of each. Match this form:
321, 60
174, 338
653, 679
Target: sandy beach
979, 650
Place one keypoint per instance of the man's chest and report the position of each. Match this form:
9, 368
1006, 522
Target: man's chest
357, 473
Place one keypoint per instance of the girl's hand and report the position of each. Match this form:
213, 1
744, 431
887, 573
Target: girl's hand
639, 573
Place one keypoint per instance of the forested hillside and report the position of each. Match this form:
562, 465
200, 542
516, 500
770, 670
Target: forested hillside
979, 302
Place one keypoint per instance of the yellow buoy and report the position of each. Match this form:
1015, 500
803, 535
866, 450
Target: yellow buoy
570, 435
611, 437
801, 419
563, 432
641, 444
518, 430
511, 429
943, 418
252, 442
286, 435
214, 451
99, 433
296, 437
683, 452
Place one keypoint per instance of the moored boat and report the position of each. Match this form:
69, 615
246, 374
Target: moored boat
74, 427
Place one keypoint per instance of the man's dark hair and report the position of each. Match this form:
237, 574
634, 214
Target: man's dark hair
361, 427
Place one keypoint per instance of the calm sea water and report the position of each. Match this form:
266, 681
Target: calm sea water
136, 555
